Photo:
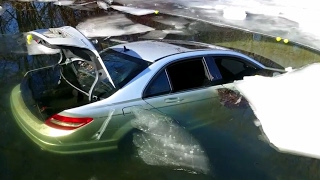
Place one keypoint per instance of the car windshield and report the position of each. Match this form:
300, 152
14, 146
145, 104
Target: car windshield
122, 68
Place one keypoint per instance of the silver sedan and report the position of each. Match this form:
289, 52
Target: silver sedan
84, 102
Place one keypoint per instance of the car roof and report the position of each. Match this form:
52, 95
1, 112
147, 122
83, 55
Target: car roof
152, 50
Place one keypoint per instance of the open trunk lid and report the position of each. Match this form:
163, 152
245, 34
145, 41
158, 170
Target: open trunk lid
73, 46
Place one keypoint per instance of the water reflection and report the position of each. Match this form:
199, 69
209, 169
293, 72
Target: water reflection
22, 17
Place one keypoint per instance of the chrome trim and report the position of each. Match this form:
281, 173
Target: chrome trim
275, 69
169, 80
208, 73
192, 43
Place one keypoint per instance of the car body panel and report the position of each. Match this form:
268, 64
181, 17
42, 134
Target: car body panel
149, 50
191, 108
82, 139
47, 137
140, 81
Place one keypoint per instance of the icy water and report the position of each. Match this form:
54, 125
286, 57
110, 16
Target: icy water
230, 148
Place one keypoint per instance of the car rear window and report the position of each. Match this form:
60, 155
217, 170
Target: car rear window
122, 68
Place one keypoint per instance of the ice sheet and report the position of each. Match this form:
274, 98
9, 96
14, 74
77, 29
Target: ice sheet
177, 22
162, 142
287, 108
112, 25
134, 11
64, 2
290, 19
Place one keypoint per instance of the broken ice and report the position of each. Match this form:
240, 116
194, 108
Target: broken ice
287, 108
164, 143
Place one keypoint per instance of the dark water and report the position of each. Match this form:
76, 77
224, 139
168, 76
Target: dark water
233, 145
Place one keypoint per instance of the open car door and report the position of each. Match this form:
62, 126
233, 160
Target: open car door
72, 45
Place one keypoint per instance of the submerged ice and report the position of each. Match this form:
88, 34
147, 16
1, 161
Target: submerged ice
162, 142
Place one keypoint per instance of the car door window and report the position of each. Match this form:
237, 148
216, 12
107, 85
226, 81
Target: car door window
188, 74
232, 68
158, 86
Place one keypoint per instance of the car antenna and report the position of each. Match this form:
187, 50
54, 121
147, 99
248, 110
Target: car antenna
125, 49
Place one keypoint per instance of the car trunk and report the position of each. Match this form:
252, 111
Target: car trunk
46, 94
50, 90
80, 76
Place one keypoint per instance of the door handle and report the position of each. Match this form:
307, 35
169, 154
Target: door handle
127, 110
173, 100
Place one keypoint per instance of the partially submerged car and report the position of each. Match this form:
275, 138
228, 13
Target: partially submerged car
83, 103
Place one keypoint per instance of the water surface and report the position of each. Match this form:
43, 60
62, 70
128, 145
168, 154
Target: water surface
233, 146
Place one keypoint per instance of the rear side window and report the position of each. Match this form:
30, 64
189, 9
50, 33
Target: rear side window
232, 65
232, 68
122, 68
158, 86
